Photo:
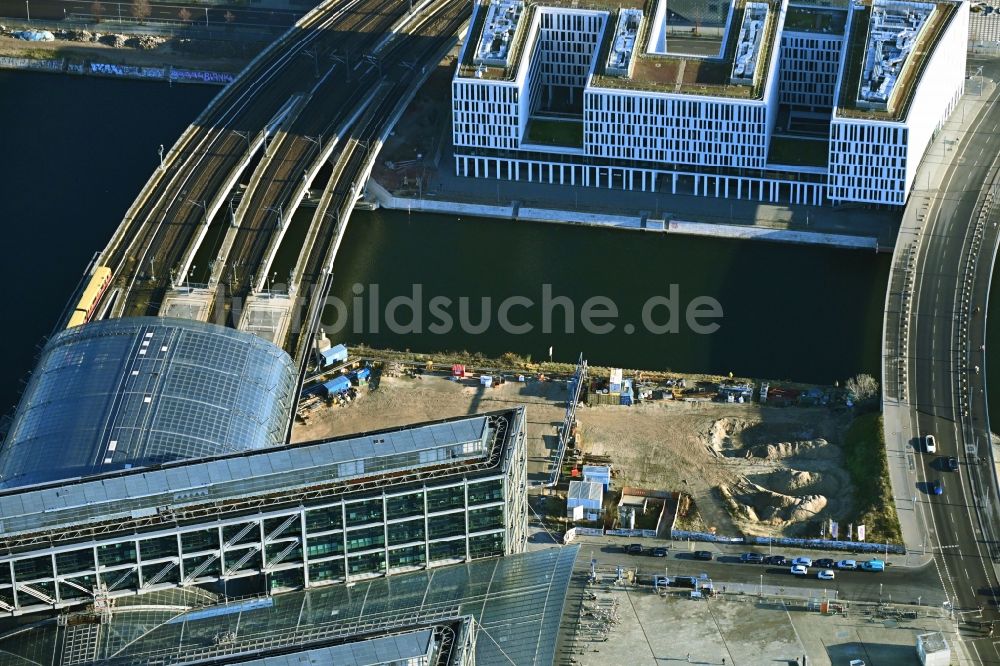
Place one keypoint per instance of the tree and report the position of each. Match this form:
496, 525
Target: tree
141, 10
229, 16
96, 8
184, 15
863, 387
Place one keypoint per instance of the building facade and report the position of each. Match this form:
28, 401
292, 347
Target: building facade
658, 116
342, 510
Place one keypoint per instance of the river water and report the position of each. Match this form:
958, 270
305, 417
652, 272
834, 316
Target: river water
78, 150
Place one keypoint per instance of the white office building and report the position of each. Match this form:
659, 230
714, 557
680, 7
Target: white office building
762, 100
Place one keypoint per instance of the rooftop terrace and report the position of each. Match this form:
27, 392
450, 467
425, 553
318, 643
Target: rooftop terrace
502, 21
879, 78
892, 34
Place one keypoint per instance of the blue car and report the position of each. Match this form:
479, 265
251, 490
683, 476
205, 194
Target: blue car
937, 488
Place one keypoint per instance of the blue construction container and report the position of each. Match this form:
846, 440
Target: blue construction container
333, 355
338, 385
361, 375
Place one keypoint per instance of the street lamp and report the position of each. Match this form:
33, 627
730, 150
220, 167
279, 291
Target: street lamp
160, 151
27, 10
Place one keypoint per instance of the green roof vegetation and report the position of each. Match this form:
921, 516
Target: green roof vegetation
662, 73
797, 151
552, 132
868, 465
698, 76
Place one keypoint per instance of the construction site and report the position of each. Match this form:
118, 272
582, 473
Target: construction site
736, 467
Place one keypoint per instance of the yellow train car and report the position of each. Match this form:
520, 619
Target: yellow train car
98, 284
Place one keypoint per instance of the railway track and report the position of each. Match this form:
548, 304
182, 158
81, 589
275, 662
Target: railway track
173, 203
356, 158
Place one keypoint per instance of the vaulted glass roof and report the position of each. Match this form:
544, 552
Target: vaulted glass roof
120, 393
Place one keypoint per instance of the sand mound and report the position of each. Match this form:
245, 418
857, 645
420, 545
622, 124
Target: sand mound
722, 435
814, 448
757, 504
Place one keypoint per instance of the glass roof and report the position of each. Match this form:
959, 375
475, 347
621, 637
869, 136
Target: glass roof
131, 392
517, 602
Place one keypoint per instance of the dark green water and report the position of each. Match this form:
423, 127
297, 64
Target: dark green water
76, 152
795, 312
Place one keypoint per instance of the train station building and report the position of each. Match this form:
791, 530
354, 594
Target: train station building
175, 508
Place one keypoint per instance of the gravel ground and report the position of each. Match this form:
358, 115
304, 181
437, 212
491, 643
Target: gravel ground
777, 470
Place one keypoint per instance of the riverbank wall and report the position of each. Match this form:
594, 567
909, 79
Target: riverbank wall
168, 73
381, 196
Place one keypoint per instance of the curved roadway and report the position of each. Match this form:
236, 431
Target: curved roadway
937, 389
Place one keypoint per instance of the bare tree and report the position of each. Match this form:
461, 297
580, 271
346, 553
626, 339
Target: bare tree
97, 9
184, 15
863, 387
141, 10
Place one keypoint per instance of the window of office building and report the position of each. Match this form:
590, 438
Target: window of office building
442, 499
366, 564
327, 518
409, 556
405, 532
441, 527
404, 506
447, 550
368, 511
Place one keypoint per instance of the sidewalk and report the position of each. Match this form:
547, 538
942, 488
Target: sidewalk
854, 227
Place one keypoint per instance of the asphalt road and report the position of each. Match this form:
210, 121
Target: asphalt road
900, 584
936, 368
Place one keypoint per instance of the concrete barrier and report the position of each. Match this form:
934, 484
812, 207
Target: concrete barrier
629, 222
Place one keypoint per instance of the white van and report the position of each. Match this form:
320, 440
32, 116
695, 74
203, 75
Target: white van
930, 446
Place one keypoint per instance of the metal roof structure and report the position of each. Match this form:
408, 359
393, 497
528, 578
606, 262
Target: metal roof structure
412, 647
122, 393
516, 601
133, 495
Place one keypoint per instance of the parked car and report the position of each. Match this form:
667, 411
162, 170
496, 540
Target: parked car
799, 570
752, 558
936, 487
847, 564
802, 561
702, 554
775, 559
825, 574
952, 464
930, 444
658, 551
873, 565
824, 563
634, 548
